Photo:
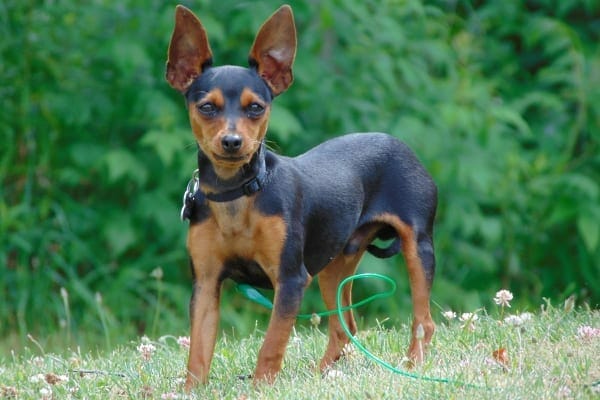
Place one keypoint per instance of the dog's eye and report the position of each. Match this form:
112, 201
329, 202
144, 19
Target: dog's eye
255, 110
208, 109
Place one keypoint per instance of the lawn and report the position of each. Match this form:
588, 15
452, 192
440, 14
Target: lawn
550, 353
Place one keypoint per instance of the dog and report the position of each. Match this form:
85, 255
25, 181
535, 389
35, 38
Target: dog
277, 222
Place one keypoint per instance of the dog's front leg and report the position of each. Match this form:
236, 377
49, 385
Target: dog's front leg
204, 316
288, 296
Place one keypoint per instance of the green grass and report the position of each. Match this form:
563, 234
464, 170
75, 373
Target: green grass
546, 358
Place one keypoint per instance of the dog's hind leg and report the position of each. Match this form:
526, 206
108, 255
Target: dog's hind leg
417, 248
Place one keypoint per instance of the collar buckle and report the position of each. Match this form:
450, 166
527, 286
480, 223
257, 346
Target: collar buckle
189, 196
252, 186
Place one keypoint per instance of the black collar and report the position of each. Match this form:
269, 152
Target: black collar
257, 170
248, 188
193, 196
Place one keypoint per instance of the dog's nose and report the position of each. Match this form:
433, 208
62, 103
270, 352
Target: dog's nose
231, 142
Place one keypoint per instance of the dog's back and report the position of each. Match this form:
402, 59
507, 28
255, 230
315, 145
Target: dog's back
361, 176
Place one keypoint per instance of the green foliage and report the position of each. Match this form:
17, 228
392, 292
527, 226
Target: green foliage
500, 100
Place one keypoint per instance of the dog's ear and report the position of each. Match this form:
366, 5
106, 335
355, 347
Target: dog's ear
274, 49
189, 51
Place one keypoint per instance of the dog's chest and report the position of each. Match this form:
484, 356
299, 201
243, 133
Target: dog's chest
235, 220
237, 230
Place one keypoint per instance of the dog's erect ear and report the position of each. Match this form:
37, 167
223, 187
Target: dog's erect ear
189, 51
274, 50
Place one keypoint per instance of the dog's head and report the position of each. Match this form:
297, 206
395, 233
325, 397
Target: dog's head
229, 106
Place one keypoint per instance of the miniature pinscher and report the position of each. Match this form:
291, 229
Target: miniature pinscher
276, 222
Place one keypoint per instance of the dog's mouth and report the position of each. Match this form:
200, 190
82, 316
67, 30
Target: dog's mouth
230, 158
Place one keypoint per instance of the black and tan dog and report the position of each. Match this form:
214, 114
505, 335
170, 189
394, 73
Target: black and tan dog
276, 222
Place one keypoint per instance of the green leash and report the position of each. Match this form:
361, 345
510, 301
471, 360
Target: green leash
372, 356
254, 295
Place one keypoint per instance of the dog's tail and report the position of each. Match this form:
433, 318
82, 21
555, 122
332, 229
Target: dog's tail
392, 249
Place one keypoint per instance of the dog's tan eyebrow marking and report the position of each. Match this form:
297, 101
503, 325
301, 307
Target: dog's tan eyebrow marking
248, 97
215, 96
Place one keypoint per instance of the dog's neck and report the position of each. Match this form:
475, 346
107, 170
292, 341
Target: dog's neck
248, 179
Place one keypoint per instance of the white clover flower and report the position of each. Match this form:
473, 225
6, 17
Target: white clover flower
349, 350
587, 332
179, 381
467, 316
564, 392
334, 373
518, 320
449, 315
157, 273
295, 341
37, 378
513, 320
45, 393
184, 342
315, 320
526, 316
37, 361
503, 298
468, 320
146, 350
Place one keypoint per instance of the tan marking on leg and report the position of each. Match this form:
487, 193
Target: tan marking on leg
204, 312
329, 279
270, 356
420, 290
205, 322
